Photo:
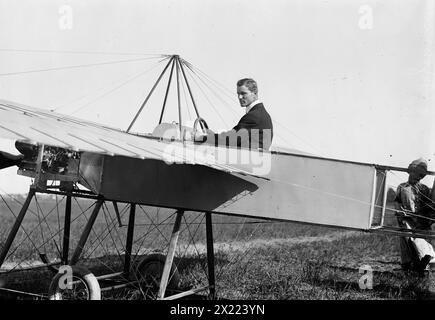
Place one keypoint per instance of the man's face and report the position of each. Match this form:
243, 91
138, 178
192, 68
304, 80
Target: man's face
245, 96
415, 175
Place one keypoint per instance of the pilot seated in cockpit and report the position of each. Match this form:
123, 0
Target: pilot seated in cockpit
254, 130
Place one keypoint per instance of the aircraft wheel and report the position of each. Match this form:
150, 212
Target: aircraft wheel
149, 273
83, 285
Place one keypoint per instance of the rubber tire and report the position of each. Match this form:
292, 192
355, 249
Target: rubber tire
79, 273
160, 259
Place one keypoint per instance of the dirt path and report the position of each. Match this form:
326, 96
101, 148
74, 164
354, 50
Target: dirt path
258, 243
266, 243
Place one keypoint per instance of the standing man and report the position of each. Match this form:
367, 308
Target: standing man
254, 130
414, 202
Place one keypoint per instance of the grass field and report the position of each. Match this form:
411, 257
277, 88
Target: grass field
254, 259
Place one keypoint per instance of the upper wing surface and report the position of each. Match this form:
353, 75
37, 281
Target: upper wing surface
37, 126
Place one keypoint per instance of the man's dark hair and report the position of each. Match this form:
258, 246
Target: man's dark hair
248, 83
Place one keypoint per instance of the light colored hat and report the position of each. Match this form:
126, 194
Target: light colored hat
419, 164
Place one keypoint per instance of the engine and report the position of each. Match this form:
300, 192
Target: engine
57, 163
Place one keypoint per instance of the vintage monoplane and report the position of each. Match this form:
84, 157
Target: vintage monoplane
76, 159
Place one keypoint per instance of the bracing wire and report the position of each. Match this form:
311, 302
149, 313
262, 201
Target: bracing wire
185, 100
227, 92
105, 93
99, 238
80, 52
357, 200
429, 202
43, 244
205, 77
211, 103
72, 67
192, 68
22, 228
191, 242
110, 225
114, 89
234, 259
226, 104
39, 225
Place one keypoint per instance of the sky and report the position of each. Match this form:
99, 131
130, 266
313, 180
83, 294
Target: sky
345, 79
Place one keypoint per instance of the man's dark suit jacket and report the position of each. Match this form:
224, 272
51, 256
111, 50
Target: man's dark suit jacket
254, 130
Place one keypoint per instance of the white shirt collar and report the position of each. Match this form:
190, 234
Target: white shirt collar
248, 108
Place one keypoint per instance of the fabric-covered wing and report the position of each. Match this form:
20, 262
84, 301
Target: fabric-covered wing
37, 126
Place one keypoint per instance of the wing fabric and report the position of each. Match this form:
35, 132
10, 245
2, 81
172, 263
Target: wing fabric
37, 126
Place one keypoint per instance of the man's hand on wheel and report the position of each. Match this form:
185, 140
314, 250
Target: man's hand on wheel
201, 136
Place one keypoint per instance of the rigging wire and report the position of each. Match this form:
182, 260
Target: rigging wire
185, 99
114, 89
239, 232
230, 97
156, 227
355, 200
225, 103
171, 60
278, 181
430, 202
73, 67
153, 228
219, 223
52, 237
230, 261
212, 105
140, 241
190, 66
15, 216
236, 257
227, 92
100, 238
81, 52
44, 219
199, 86
38, 209
191, 242
115, 219
225, 167
117, 86
92, 230
108, 223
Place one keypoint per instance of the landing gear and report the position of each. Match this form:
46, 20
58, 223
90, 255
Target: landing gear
149, 274
94, 237
74, 283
